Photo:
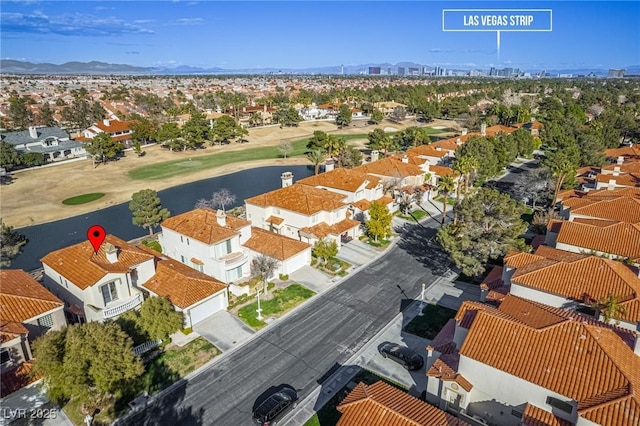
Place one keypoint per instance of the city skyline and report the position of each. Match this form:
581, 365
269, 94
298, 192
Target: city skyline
251, 35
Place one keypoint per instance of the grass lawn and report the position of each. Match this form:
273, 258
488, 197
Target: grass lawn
171, 365
414, 215
168, 169
152, 244
283, 300
328, 415
381, 243
335, 266
450, 201
428, 325
83, 199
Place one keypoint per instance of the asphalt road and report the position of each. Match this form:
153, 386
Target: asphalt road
302, 349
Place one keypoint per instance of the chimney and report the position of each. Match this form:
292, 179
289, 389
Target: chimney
464, 131
484, 289
33, 132
111, 252
616, 171
483, 129
405, 159
438, 148
105, 121
620, 160
429, 351
221, 218
612, 183
328, 165
458, 141
287, 179
375, 155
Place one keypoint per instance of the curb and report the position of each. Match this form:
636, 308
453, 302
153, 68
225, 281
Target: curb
350, 363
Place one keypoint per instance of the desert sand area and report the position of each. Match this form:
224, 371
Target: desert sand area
35, 195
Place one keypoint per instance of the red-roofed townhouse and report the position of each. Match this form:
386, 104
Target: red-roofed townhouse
574, 281
98, 285
223, 246
303, 212
525, 363
119, 130
196, 295
27, 311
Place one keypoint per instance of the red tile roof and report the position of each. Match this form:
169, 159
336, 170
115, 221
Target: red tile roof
535, 416
16, 378
630, 152
582, 360
23, 298
83, 267
381, 404
114, 126
344, 179
274, 245
321, 230
621, 239
184, 286
202, 225
303, 199
390, 167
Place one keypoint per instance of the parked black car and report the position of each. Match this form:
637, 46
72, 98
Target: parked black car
275, 406
402, 355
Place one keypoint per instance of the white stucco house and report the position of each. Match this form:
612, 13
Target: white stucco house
99, 286
102, 285
525, 363
303, 212
191, 292
223, 246
52, 142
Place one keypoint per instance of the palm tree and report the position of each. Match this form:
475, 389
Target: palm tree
446, 185
610, 309
316, 157
331, 144
340, 148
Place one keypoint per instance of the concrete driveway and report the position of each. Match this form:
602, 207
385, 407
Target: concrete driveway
312, 278
357, 253
224, 330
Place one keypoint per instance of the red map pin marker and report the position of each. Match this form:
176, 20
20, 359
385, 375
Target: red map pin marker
96, 235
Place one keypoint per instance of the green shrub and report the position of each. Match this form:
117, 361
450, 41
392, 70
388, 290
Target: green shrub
284, 277
187, 330
271, 285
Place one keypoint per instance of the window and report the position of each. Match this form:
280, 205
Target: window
183, 259
109, 292
5, 356
45, 322
234, 274
228, 246
314, 218
560, 405
276, 210
200, 268
187, 241
181, 240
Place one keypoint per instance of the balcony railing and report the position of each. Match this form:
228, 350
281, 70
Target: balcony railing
120, 309
235, 259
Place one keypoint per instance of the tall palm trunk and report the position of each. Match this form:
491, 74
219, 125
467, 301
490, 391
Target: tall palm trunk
444, 207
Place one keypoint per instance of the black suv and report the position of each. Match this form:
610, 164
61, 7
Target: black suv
402, 355
275, 406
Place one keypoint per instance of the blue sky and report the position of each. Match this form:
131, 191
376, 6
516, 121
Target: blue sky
304, 34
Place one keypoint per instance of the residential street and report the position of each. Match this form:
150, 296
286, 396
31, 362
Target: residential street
306, 347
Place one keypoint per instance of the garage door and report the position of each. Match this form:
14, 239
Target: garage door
206, 309
296, 262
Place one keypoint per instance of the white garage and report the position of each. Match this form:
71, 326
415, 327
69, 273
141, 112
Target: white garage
296, 262
206, 308
196, 295
291, 254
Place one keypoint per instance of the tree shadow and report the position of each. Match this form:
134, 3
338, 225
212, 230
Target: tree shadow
420, 242
165, 410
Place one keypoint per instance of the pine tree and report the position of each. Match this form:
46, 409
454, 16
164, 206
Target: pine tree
147, 209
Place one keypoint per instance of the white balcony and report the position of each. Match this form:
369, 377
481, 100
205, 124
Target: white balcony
114, 311
233, 260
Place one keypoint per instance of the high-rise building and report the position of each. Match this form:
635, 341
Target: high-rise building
400, 70
414, 71
616, 73
374, 70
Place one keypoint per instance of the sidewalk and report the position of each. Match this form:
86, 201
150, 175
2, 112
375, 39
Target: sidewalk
18, 408
367, 357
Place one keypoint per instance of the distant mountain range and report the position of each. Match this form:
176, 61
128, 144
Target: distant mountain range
8, 66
